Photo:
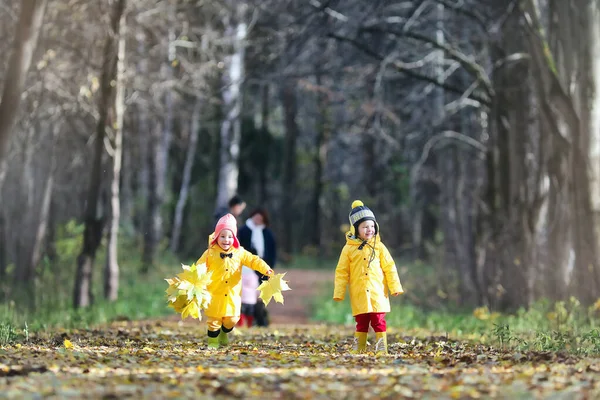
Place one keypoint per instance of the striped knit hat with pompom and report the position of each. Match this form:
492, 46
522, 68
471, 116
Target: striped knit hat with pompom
359, 214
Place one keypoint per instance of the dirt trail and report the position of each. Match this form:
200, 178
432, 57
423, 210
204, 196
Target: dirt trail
170, 359
305, 284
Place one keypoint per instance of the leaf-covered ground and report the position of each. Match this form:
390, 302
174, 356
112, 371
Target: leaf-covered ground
292, 359
168, 359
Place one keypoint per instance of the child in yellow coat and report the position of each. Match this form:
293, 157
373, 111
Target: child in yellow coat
224, 258
367, 268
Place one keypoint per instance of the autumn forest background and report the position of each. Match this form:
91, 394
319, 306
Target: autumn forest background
471, 128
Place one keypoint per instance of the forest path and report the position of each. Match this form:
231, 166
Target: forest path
292, 359
306, 285
169, 359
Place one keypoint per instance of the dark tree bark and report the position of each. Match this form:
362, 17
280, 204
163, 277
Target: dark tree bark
322, 128
27, 32
292, 131
95, 215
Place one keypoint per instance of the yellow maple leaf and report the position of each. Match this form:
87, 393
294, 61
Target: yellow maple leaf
191, 310
67, 343
272, 288
187, 293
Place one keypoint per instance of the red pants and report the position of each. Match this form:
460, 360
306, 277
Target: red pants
377, 321
245, 319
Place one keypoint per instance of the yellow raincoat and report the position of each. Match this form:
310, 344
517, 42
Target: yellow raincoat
226, 284
371, 274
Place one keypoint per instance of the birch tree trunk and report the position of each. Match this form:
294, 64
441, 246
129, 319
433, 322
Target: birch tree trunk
27, 32
111, 268
95, 215
187, 175
236, 31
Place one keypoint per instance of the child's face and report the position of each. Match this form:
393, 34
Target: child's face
366, 230
225, 240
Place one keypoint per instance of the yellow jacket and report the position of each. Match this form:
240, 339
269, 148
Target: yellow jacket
371, 274
226, 284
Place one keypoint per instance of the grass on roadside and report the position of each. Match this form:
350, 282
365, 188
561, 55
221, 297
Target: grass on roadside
427, 309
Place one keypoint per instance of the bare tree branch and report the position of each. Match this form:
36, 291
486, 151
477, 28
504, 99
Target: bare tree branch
471, 66
399, 67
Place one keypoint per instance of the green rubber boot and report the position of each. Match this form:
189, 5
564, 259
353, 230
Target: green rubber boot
213, 343
223, 340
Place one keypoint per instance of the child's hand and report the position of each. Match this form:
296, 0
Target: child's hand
337, 299
396, 294
269, 272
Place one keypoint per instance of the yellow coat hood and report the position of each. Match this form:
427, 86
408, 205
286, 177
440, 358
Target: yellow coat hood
370, 273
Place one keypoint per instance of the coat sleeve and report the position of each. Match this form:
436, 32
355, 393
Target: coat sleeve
389, 270
255, 262
342, 275
244, 236
270, 248
203, 259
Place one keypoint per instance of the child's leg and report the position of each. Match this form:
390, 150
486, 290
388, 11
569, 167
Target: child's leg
250, 314
380, 327
242, 320
362, 331
229, 323
227, 326
378, 322
362, 322
214, 329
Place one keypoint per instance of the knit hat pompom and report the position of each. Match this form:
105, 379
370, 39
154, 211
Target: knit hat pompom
357, 203
359, 214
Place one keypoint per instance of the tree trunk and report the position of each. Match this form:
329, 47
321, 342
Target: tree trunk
187, 175
144, 141
44, 214
232, 107
94, 215
558, 60
159, 162
590, 69
264, 137
3, 247
153, 219
288, 209
24, 271
111, 268
322, 128
27, 32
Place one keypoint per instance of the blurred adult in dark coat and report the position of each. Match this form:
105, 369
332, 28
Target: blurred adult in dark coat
256, 237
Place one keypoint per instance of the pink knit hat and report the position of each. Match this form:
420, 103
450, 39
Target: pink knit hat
227, 221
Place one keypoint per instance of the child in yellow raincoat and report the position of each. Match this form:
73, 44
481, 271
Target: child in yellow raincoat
367, 268
224, 258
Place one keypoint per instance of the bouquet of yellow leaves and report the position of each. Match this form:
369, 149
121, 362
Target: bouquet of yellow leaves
272, 288
187, 292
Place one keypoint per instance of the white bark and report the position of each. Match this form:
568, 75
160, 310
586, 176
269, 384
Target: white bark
111, 269
592, 13
232, 106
